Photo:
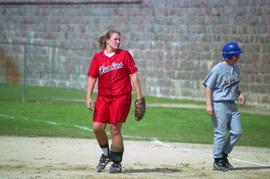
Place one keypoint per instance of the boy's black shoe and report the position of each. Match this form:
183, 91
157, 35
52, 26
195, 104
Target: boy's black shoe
103, 161
226, 162
116, 167
219, 165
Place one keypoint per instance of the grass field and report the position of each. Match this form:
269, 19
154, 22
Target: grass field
33, 93
46, 118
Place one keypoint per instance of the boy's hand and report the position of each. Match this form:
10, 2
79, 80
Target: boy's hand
209, 109
242, 98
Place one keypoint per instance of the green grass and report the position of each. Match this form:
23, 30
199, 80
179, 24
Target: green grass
34, 93
166, 124
171, 124
43, 118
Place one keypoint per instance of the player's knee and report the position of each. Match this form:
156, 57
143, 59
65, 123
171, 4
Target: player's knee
116, 129
220, 134
98, 129
237, 134
115, 132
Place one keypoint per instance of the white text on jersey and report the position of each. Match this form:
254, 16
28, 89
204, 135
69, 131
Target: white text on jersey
104, 69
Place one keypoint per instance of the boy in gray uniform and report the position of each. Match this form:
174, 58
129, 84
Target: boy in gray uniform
221, 91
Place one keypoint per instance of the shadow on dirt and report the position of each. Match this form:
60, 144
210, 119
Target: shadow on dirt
153, 170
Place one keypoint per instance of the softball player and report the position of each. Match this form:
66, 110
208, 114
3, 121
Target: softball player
115, 69
222, 90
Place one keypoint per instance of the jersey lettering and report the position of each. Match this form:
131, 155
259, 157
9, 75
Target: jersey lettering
104, 69
229, 80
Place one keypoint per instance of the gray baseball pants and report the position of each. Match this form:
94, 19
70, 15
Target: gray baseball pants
227, 127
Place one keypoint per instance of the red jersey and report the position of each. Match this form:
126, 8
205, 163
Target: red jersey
112, 72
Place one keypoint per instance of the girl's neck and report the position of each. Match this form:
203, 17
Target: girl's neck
109, 50
109, 53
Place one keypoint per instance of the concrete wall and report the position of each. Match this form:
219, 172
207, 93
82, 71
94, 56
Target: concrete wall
174, 42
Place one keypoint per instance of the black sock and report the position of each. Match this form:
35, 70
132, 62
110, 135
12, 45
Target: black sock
116, 156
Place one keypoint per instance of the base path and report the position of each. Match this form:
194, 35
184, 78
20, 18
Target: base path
43, 157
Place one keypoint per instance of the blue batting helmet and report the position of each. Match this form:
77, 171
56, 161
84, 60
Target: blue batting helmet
230, 49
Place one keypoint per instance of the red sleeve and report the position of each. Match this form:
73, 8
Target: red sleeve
93, 70
131, 66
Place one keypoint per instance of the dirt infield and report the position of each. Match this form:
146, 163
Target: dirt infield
39, 157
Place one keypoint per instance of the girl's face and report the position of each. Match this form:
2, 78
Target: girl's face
114, 42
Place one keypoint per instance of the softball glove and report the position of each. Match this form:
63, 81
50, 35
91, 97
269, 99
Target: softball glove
140, 108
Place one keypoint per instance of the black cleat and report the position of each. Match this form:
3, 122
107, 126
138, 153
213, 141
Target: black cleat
227, 164
116, 167
103, 161
220, 165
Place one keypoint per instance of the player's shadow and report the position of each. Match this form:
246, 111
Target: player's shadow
251, 168
152, 170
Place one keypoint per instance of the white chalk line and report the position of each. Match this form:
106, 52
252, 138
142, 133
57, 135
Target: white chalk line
61, 124
154, 140
252, 163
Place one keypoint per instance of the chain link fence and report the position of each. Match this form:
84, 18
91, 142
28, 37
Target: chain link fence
31, 71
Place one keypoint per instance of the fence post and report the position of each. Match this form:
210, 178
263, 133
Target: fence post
24, 71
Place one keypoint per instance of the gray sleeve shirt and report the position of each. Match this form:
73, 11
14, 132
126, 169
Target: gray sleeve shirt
224, 82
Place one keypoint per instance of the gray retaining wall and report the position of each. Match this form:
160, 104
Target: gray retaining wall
174, 42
